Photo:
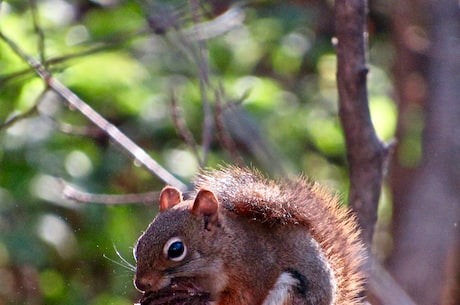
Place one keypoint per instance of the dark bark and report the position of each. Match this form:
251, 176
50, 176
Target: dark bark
366, 154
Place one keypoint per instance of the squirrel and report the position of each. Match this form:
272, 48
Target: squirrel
246, 240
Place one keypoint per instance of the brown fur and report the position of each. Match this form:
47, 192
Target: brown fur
244, 233
248, 193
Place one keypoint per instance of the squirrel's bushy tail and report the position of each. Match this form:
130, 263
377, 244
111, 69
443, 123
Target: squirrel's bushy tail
297, 201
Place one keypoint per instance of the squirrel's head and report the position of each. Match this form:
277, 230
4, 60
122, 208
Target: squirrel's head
181, 244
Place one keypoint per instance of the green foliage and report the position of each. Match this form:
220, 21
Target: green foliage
278, 61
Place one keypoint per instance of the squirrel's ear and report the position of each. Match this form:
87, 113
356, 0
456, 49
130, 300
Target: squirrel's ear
169, 197
205, 204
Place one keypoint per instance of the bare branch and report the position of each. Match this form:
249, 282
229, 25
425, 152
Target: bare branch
166, 18
192, 42
74, 194
366, 154
222, 24
182, 129
138, 154
225, 139
17, 117
74, 130
203, 71
33, 110
107, 44
383, 286
38, 30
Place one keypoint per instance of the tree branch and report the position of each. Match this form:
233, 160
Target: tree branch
38, 31
137, 153
182, 130
109, 43
223, 136
203, 70
385, 288
366, 154
74, 194
17, 117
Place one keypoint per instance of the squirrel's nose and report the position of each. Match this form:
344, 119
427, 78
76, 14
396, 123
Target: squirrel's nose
150, 282
142, 284
146, 282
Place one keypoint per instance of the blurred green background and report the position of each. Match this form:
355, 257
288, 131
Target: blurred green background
282, 61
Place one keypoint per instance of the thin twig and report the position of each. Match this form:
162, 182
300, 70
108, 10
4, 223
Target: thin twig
223, 136
231, 19
69, 129
101, 47
138, 154
166, 19
199, 33
162, 17
38, 30
203, 71
182, 130
16, 118
74, 194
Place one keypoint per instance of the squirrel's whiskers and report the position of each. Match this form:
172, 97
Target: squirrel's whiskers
123, 261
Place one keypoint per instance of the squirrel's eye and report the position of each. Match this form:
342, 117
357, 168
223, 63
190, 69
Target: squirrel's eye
175, 249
